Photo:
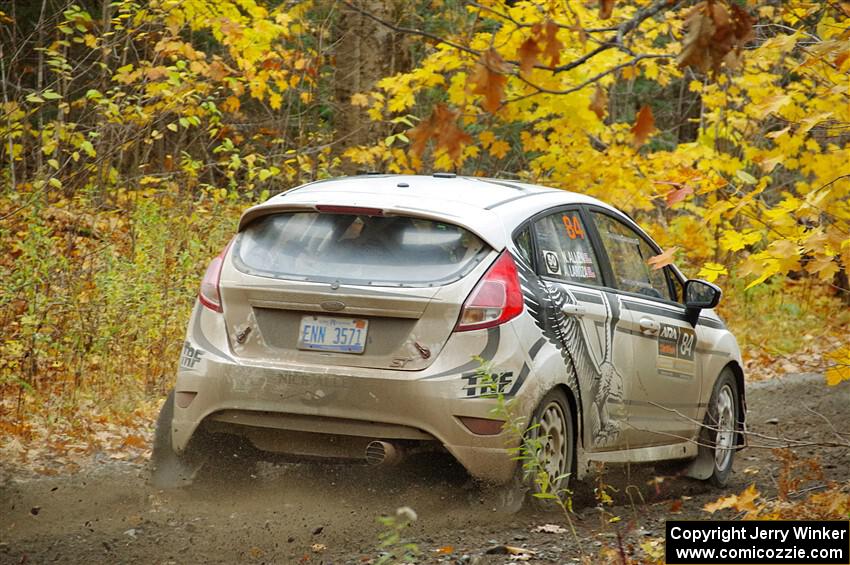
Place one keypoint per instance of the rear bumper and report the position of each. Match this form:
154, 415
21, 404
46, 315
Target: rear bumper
356, 403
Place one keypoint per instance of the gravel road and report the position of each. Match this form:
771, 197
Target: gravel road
319, 513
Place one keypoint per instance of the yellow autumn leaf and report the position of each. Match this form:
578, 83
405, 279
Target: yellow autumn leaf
710, 271
275, 100
824, 266
733, 240
744, 502
231, 104
499, 148
840, 369
359, 99
772, 104
486, 138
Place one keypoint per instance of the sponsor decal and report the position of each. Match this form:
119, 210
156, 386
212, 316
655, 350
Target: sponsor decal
190, 356
553, 265
477, 385
676, 347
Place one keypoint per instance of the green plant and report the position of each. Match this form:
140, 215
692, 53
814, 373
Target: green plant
396, 548
526, 445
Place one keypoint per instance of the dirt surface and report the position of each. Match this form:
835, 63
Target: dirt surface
320, 513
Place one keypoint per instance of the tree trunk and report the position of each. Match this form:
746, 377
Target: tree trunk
366, 51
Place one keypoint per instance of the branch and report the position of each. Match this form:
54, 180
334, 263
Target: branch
615, 41
410, 31
592, 79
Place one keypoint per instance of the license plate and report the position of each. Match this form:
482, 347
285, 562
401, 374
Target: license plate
342, 335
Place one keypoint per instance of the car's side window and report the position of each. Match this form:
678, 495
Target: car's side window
628, 253
523, 244
564, 248
678, 288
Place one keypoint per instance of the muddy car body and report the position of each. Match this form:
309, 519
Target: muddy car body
350, 318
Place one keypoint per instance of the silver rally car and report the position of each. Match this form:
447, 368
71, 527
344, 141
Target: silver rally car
349, 319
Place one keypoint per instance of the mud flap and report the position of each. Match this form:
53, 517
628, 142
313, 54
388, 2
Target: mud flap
167, 469
702, 467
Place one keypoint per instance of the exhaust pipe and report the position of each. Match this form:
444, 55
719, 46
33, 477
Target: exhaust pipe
383, 453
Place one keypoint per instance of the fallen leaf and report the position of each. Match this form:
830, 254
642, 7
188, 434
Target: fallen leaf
318, 547
509, 550
676, 506
662, 260
445, 550
549, 529
644, 126
135, 441
740, 502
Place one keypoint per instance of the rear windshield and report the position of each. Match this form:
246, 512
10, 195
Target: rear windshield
378, 250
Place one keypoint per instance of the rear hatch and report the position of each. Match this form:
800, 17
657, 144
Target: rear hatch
348, 286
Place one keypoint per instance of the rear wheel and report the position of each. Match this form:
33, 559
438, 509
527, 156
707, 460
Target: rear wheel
550, 446
720, 428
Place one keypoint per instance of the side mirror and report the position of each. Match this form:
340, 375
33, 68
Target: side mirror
701, 294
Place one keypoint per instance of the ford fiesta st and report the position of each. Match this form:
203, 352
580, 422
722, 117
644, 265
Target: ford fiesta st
348, 319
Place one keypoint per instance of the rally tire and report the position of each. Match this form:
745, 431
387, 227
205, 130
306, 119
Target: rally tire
718, 439
553, 421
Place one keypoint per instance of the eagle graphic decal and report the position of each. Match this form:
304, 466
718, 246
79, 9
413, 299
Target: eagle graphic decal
600, 381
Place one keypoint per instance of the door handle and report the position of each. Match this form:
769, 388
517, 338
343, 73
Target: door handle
573, 309
649, 326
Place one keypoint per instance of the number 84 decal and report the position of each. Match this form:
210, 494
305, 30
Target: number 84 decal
676, 342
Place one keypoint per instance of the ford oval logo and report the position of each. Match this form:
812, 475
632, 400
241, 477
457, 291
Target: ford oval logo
333, 305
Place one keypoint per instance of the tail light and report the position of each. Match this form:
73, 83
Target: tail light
209, 294
496, 298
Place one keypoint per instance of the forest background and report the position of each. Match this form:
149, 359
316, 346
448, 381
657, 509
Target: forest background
132, 135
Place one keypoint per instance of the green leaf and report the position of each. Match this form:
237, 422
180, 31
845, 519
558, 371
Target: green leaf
746, 177
88, 148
